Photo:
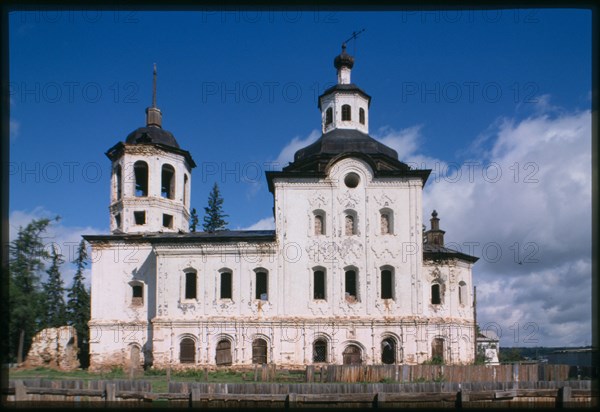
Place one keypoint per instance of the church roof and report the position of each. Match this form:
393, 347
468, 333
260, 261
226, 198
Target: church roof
436, 252
194, 237
152, 134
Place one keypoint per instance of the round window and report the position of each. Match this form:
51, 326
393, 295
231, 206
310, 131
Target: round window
351, 180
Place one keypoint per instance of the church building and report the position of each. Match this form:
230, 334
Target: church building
350, 275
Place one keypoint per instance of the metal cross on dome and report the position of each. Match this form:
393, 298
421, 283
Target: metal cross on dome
353, 37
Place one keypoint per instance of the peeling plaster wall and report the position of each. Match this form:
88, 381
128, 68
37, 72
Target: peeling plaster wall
290, 320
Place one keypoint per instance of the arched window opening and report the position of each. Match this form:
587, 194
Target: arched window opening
190, 285
462, 293
187, 351
388, 351
350, 226
259, 351
352, 355
167, 186
361, 115
185, 190
226, 289
350, 286
328, 116
386, 221
436, 297
140, 169
437, 350
118, 181
137, 294
320, 351
318, 284
346, 112
387, 284
262, 281
223, 356
319, 225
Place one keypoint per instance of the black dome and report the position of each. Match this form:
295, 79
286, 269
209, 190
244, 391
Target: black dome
152, 134
340, 141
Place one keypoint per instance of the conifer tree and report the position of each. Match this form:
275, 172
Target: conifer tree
193, 220
78, 305
55, 311
27, 256
214, 218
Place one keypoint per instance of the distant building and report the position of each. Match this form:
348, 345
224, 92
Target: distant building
488, 345
572, 357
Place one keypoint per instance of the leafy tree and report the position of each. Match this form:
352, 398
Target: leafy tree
510, 355
55, 310
193, 220
27, 256
78, 305
214, 216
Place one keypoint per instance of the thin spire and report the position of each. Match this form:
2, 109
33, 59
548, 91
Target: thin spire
154, 88
153, 114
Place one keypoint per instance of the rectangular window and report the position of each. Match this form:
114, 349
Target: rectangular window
435, 294
190, 285
140, 218
137, 295
261, 286
387, 284
168, 221
226, 285
118, 220
351, 285
319, 285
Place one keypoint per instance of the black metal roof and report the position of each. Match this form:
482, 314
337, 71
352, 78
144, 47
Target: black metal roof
152, 134
345, 88
436, 252
344, 141
195, 237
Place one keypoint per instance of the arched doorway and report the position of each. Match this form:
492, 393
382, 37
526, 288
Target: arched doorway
259, 351
352, 355
388, 351
223, 356
187, 351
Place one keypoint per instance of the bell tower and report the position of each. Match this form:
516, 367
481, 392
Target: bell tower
151, 179
345, 105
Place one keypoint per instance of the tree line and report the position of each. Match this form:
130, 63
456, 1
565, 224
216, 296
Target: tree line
35, 305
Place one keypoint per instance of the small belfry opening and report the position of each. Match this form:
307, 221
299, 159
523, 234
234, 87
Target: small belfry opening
346, 112
328, 116
361, 115
118, 182
139, 217
167, 186
140, 169
167, 221
137, 294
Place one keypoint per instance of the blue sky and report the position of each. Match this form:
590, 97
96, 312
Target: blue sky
487, 92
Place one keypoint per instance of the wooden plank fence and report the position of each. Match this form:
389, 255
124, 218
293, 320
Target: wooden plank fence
261, 395
435, 373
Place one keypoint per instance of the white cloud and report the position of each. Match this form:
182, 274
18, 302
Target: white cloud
287, 153
528, 208
268, 223
66, 238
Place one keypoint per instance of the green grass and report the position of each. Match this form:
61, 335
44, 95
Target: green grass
158, 377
